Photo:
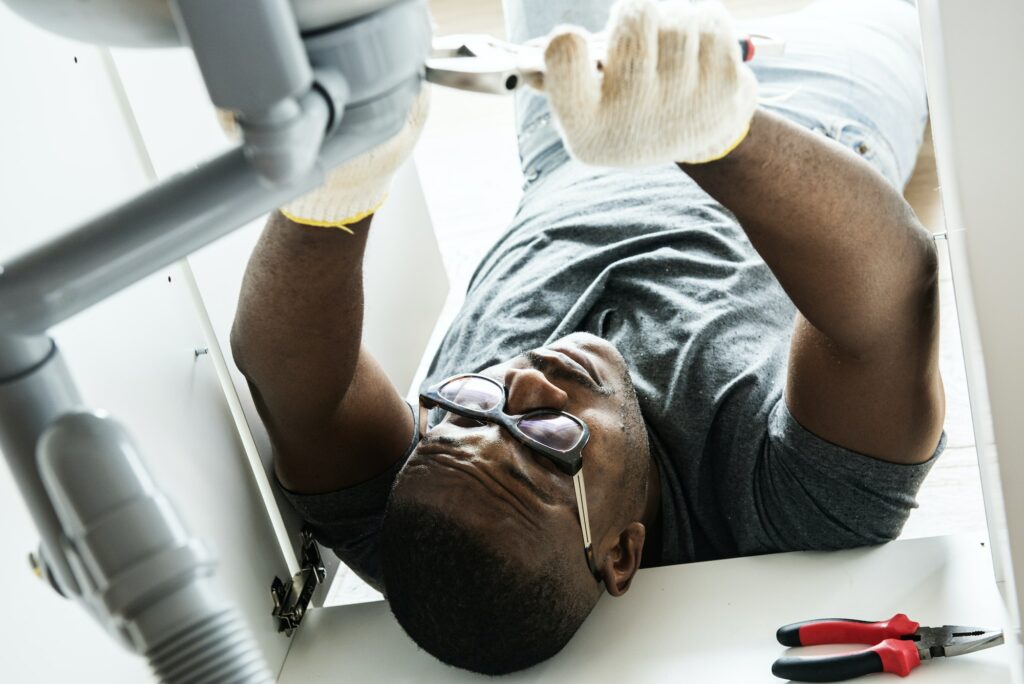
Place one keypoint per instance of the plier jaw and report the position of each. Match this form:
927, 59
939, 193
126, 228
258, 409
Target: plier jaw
899, 646
953, 640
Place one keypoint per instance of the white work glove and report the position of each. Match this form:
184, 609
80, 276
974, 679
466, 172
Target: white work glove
673, 87
358, 187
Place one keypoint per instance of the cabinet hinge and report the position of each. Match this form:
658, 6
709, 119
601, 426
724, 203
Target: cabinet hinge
292, 597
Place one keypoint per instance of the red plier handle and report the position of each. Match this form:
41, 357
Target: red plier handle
893, 651
840, 631
747, 49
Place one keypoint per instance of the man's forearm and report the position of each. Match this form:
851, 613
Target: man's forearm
298, 328
842, 242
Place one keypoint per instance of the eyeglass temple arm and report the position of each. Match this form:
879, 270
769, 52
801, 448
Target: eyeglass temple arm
581, 503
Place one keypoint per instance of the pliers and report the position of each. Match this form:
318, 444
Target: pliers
484, 64
900, 646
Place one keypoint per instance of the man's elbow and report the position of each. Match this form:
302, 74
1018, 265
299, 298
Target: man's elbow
913, 287
929, 254
904, 304
241, 346
926, 284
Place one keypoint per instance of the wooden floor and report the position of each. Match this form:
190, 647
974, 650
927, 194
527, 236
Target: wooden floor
469, 166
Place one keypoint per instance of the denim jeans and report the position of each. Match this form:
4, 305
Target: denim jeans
851, 71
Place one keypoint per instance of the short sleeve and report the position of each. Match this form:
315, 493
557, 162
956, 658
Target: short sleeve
807, 493
348, 520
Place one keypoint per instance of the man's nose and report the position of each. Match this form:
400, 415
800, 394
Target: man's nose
529, 389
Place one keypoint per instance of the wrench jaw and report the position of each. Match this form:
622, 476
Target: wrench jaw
953, 640
481, 63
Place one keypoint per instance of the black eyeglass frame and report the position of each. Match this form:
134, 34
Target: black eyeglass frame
569, 462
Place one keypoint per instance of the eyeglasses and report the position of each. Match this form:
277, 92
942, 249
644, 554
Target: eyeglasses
557, 435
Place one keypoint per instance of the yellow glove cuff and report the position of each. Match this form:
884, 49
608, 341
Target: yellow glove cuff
727, 150
342, 224
358, 187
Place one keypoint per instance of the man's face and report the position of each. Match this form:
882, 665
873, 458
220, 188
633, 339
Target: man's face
498, 486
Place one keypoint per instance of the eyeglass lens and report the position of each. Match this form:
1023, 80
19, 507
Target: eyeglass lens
554, 430
473, 393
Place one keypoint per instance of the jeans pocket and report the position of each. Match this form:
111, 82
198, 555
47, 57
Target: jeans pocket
867, 144
865, 141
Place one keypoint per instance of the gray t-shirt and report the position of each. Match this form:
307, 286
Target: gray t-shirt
647, 260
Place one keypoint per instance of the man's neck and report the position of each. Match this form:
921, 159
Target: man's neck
652, 517
652, 509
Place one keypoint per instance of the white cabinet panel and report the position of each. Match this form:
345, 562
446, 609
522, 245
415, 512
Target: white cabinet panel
975, 105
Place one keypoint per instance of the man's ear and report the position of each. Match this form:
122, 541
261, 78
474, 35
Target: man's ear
622, 560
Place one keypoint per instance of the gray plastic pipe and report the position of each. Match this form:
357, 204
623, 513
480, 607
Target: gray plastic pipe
141, 574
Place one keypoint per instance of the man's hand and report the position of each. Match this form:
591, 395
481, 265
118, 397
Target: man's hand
358, 187
673, 89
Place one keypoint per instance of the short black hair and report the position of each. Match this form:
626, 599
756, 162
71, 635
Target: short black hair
468, 605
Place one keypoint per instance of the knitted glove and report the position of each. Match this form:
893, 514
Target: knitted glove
673, 87
358, 187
